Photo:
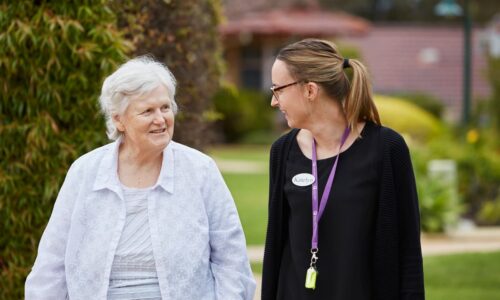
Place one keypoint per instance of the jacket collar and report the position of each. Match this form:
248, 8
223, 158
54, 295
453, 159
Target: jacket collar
107, 173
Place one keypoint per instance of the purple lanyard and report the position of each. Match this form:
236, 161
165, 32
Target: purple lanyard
324, 198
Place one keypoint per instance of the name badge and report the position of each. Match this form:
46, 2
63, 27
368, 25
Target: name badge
303, 179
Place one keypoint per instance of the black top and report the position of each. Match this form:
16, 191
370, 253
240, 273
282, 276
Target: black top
369, 236
345, 229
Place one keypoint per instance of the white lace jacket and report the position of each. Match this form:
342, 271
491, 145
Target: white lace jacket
198, 242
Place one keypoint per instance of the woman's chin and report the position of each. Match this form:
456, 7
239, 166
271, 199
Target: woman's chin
161, 140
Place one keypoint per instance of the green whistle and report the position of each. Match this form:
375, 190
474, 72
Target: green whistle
311, 278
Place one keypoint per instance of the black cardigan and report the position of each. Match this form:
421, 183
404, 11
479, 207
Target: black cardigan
397, 256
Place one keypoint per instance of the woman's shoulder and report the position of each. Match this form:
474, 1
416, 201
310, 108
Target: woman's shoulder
390, 140
285, 138
187, 153
94, 155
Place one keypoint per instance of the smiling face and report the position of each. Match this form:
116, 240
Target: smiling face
290, 100
148, 121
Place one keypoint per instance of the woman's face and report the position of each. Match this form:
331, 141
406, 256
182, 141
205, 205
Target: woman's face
289, 100
148, 121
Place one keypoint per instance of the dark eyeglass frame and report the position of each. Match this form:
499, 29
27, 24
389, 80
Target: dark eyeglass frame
276, 88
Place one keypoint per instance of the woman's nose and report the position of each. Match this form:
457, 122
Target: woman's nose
158, 116
274, 101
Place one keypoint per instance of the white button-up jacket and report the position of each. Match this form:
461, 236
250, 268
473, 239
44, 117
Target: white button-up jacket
198, 242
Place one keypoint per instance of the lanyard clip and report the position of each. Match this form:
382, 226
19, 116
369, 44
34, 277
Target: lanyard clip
314, 257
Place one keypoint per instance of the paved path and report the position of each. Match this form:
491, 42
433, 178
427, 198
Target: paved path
241, 166
483, 239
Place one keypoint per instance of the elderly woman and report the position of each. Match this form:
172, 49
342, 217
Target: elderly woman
143, 217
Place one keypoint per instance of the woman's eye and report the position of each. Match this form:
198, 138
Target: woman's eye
165, 107
147, 111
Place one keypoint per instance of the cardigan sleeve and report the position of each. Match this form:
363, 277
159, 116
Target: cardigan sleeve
277, 216
411, 281
271, 262
47, 278
228, 256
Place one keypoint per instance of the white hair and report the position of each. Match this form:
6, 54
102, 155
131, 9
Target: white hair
138, 76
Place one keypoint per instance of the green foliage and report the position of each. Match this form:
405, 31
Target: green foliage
439, 205
478, 168
408, 118
427, 102
243, 112
490, 212
348, 51
479, 177
53, 58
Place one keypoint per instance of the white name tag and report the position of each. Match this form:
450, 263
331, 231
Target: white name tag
303, 179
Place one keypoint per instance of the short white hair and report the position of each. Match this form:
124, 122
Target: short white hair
138, 76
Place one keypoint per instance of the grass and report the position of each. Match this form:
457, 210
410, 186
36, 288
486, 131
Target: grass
249, 190
472, 276
463, 276
250, 194
255, 153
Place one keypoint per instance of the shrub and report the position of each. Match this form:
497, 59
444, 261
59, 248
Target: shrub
478, 168
439, 206
489, 212
53, 58
427, 102
243, 112
408, 118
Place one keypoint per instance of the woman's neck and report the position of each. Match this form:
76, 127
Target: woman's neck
138, 168
137, 157
328, 125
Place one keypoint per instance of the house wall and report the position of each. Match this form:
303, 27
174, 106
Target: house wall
423, 59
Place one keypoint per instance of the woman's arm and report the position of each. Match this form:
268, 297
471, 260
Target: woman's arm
410, 253
47, 278
228, 257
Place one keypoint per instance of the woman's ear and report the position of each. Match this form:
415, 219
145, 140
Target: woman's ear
118, 123
311, 90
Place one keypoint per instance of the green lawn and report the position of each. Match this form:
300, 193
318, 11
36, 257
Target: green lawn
250, 194
463, 276
457, 277
255, 153
249, 190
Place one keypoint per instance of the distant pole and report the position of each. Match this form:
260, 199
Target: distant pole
467, 65
450, 8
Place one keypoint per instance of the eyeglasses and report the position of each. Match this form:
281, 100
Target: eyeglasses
276, 88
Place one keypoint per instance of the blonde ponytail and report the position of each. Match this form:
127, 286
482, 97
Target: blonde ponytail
359, 104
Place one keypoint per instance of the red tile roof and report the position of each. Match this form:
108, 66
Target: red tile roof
422, 59
295, 21
235, 8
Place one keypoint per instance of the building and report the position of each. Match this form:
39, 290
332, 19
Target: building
409, 58
255, 30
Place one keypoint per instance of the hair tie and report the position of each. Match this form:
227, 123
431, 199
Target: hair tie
346, 65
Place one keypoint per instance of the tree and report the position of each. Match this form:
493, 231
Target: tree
409, 10
183, 35
54, 56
